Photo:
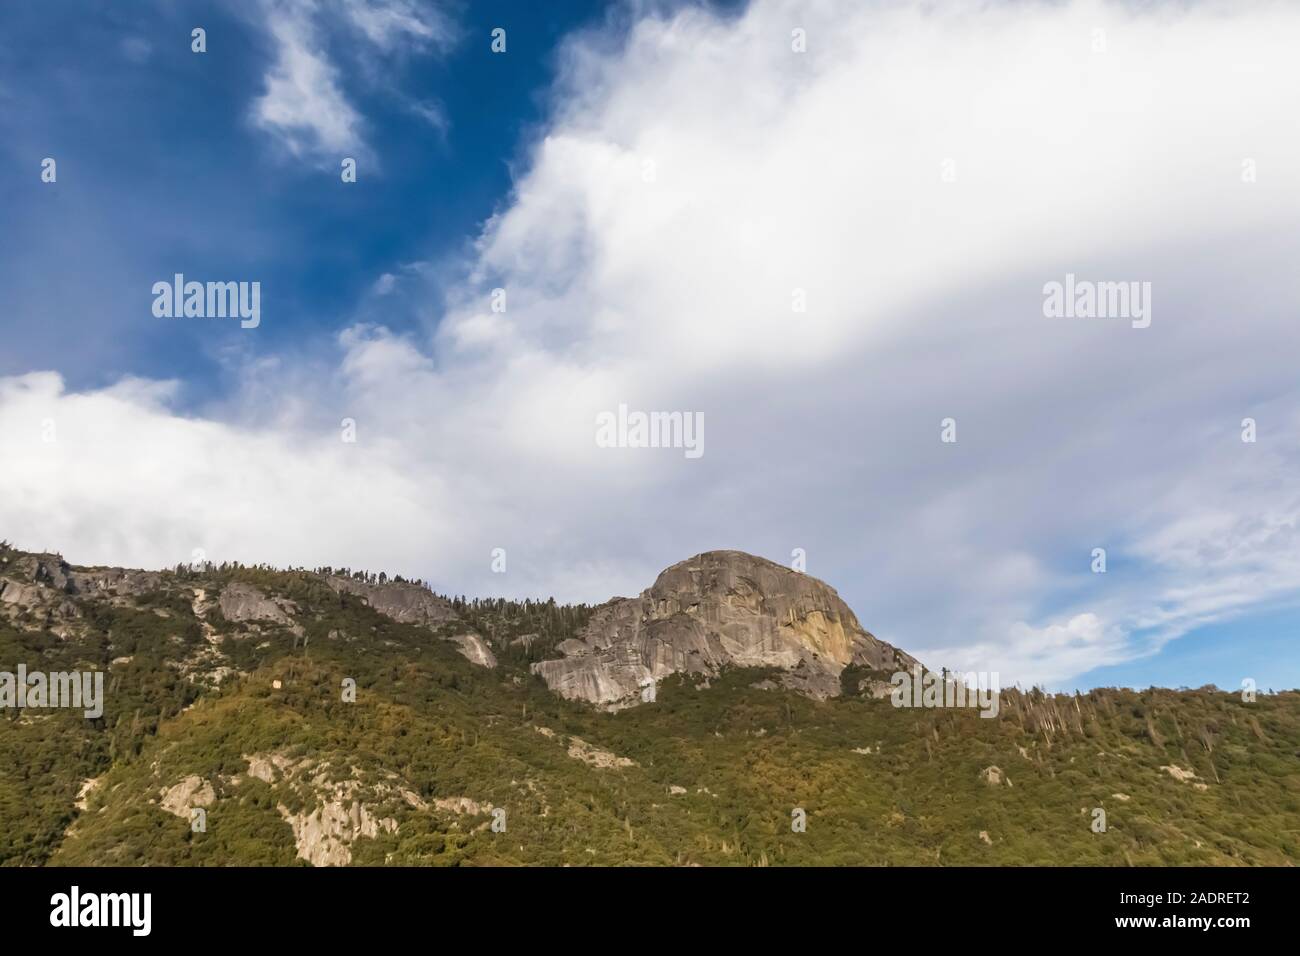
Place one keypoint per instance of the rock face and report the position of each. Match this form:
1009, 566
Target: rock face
243, 602
39, 587
191, 792
324, 836
474, 649
114, 582
44, 583
22, 595
404, 603
412, 604
34, 581
44, 570
718, 608
51, 573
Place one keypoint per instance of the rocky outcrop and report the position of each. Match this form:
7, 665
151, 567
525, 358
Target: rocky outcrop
191, 792
34, 580
716, 609
590, 754
22, 595
994, 777
52, 575
594, 756
114, 582
44, 570
462, 805
36, 593
413, 604
324, 835
268, 767
1185, 776
88, 786
333, 813
475, 649
47, 584
404, 603
242, 602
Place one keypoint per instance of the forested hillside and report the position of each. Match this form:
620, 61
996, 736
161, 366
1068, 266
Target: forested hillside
442, 761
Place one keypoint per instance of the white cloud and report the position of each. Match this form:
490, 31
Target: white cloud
304, 103
391, 24
125, 480
691, 180
1050, 653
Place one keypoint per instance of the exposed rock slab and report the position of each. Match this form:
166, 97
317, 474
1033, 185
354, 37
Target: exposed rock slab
475, 649
404, 603
191, 792
324, 835
413, 604
242, 602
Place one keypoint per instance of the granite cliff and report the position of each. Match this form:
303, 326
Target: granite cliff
716, 609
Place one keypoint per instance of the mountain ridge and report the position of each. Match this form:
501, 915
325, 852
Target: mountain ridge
717, 608
312, 729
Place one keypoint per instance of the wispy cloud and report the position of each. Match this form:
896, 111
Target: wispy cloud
304, 104
391, 25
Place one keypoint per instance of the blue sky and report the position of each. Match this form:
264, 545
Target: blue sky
655, 186
1222, 654
161, 170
